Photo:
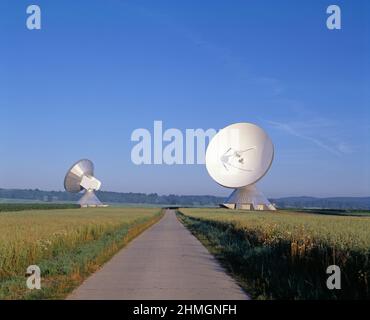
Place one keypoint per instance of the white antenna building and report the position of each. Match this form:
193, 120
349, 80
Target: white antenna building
237, 157
81, 177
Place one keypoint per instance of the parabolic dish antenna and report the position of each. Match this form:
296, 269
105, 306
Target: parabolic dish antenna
237, 157
81, 177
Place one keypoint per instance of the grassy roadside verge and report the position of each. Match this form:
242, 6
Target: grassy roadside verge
285, 255
210, 238
74, 254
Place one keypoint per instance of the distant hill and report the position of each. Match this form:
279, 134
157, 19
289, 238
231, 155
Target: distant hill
355, 203
110, 197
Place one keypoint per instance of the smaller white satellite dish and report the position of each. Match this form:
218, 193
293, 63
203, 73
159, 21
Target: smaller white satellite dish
81, 177
237, 157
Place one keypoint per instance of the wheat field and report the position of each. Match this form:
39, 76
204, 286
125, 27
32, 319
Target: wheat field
66, 243
284, 255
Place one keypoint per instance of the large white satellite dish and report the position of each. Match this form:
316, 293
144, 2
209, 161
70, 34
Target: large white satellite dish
81, 177
237, 157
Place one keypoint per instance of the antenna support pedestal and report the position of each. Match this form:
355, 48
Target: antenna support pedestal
248, 198
89, 199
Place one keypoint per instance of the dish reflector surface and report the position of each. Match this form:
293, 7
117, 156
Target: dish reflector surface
239, 155
74, 176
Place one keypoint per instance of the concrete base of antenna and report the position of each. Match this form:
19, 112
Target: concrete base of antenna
89, 199
248, 198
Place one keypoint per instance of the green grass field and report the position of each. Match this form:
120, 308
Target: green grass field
7, 207
333, 212
67, 245
284, 255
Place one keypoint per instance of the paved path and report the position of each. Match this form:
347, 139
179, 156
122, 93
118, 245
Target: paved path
164, 262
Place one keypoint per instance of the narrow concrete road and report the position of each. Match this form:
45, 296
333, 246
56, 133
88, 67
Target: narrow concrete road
164, 262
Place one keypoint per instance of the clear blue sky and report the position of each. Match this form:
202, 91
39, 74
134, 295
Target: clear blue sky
99, 69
